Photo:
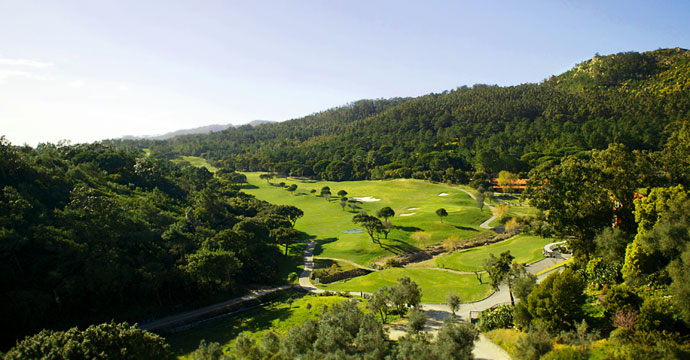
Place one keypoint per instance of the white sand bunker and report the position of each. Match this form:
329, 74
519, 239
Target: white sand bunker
366, 199
443, 194
412, 208
410, 214
352, 231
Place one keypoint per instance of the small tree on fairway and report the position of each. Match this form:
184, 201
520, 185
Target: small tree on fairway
387, 227
325, 189
479, 199
385, 213
371, 224
354, 205
342, 193
441, 213
266, 177
453, 302
292, 188
343, 203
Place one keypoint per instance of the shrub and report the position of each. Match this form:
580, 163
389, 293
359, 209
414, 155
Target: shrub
536, 343
500, 317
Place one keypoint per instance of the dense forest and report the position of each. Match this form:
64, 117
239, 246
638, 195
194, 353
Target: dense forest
90, 233
627, 98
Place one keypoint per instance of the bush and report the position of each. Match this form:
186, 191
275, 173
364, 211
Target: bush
568, 353
500, 317
536, 343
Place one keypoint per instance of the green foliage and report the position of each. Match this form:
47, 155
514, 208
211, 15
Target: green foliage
574, 201
104, 341
453, 302
534, 344
499, 317
416, 320
557, 301
89, 227
455, 340
620, 298
441, 213
443, 136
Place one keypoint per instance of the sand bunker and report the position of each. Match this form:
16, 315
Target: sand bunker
410, 214
366, 199
443, 194
352, 231
412, 208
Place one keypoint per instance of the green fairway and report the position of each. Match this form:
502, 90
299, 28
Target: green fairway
279, 317
525, 249
196, 161
324, 220
435, 284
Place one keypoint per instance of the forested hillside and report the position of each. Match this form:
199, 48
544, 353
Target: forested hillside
90, 234
627, 98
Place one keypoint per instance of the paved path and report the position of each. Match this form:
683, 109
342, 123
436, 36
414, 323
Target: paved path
485, 224
197, 314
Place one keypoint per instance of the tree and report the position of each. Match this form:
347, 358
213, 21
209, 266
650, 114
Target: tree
498, 269
385, 213
453, 302
573, 201
371, 224
103, 341
292, 188
266, 177
479, 199
404, 295
386, 229
378, 303
214, 270
507, 181
343, 204
285, 236
342, 193
557, 301
455, 340
291, 212
416, 320
354, 205
441, 213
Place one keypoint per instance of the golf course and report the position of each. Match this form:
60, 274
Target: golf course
329, 223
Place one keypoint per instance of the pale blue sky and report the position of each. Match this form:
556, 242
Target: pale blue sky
94, 69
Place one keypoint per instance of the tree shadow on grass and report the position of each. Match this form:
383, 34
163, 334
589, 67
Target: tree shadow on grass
408, 228
466, 228
398, 247
318, 250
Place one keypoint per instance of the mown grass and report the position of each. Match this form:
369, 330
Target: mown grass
279, 316
525, 249
324, 220
435, 284
196, 161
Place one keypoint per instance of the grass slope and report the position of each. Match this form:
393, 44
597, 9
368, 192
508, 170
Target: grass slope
525, 249
324, 220
435, 284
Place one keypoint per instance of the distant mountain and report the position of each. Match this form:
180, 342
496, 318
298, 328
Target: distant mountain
199, 130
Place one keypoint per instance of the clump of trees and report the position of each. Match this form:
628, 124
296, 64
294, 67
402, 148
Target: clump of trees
104, 341
396, 299
92, 233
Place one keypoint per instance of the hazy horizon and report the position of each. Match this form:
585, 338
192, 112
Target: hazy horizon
88, 71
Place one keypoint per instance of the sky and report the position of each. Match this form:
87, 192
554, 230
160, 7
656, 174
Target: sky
96, 69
